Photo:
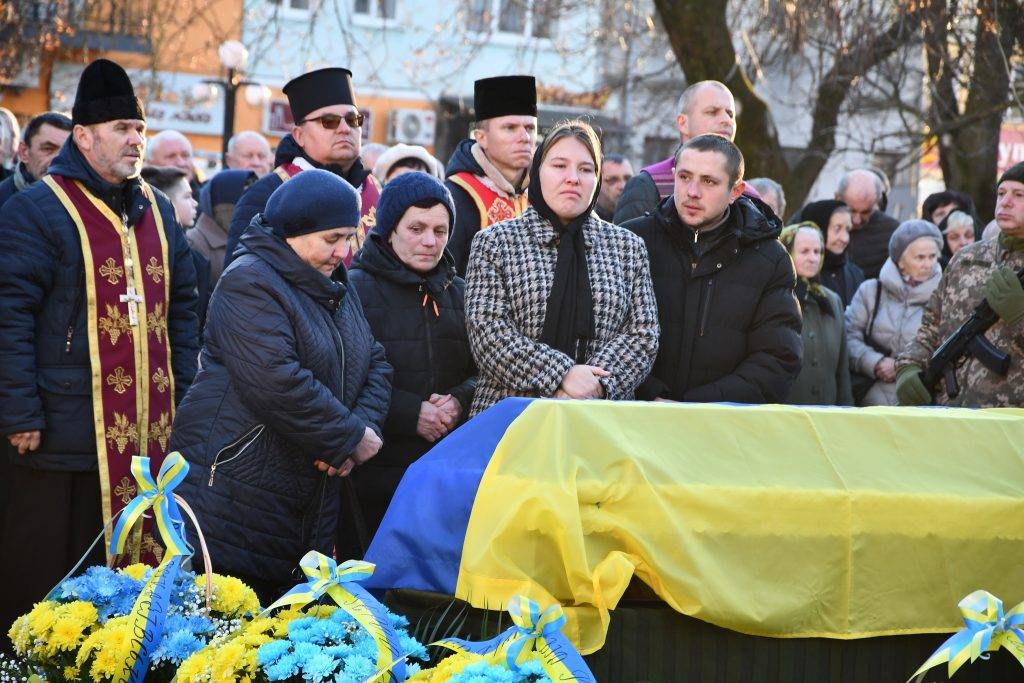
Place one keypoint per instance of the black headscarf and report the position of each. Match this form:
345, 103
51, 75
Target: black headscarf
569, 318
819, 213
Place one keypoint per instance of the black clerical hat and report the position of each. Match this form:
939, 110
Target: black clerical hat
320, 88
105, 93
505, 96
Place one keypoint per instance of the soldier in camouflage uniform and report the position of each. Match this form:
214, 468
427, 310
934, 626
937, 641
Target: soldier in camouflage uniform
985, 269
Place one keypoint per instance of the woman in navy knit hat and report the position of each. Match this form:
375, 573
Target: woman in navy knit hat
292, 392
414, 302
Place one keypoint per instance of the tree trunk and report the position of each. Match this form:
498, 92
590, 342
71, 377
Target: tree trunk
969, 151
699, 33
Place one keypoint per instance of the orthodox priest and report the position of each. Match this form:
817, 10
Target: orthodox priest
98, 337
327, 134
488, 173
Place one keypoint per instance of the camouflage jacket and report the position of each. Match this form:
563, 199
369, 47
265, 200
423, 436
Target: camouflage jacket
959, 292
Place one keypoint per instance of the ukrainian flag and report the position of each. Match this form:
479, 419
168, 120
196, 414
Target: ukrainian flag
773, 520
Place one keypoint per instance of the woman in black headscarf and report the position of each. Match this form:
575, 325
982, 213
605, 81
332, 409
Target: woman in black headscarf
560, 303
838, 273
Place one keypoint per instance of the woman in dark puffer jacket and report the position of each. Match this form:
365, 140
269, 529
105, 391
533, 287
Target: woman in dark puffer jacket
292, 391
414, 303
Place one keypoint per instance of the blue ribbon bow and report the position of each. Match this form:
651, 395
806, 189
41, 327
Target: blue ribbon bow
987, 629
340, 582
157, 495
533, 632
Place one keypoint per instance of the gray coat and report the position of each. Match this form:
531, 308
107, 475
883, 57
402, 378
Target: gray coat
511, 272
824, 378
899, 317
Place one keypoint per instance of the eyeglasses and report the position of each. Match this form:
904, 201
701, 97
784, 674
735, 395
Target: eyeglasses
354, 119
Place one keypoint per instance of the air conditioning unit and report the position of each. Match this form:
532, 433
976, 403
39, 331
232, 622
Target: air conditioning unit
412, 126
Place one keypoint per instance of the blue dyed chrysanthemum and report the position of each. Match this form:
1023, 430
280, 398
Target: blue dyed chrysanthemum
269, 653
283, 669
319, 667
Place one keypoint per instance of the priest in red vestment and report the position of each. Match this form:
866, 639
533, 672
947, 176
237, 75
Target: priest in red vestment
98, 342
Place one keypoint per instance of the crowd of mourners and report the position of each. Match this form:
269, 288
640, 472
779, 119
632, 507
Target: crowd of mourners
330, 310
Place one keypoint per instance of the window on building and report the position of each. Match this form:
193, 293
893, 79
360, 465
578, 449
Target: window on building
512, 16
299, 6
379, 9
535, 18
544, 14
478, 15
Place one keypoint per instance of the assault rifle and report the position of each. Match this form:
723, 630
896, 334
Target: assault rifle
968, 341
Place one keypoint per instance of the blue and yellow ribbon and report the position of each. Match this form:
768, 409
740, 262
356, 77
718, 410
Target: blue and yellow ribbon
534, 634
987, 629
324, 576
156, 495
150, 607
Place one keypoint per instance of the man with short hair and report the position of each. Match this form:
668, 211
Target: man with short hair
730, 325
986, 269
488, 173
704, 107
862, 191
171, 148
615, 173
327, 134
249, 150
41, 140
97, 340
772, 194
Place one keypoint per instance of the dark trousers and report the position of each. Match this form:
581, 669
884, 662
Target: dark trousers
50, 520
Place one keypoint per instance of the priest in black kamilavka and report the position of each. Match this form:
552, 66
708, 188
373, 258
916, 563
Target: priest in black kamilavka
98, 341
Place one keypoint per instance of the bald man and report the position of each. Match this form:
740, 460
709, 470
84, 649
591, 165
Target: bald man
862, 190
704, 107
250, 151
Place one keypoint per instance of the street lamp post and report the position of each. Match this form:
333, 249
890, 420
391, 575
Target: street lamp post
233, 57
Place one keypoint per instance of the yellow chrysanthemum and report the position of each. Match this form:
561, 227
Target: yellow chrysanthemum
228, 660
135, 571
41, 618
66, 635
197, 667
321, 611
105, 665
20, 635
83, 612
231, 597
71, 673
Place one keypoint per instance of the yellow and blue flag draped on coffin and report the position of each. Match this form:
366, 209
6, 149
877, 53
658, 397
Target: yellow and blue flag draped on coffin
780, 521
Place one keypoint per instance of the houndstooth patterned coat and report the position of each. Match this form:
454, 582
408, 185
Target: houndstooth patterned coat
511, 272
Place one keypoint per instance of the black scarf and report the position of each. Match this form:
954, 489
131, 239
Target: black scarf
569, 318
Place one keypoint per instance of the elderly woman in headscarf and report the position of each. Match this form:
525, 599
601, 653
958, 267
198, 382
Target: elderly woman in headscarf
292, 389
886, 312
560, 303
824, 377
838, 272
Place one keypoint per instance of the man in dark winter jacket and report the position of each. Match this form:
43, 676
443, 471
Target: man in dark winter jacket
414, 303
730, 324
97, 339
42, 139
705, 107
327, 134
488, 174
862, 191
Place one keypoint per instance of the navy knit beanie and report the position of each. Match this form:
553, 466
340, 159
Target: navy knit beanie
312, 201
406, 190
